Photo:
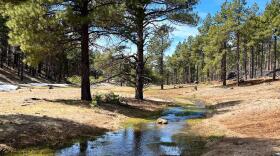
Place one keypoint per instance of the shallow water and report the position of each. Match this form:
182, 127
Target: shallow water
141, 140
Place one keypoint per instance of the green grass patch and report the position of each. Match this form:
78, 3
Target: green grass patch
33, 152
213, 138
135, 121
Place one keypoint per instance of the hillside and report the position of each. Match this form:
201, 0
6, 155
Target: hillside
10, 76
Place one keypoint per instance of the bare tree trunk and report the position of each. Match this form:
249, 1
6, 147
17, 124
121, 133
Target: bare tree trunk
85, 87
224, 66
252, 63
238, 57
161, 71
275, 57
245, 61
21, 67
262, 57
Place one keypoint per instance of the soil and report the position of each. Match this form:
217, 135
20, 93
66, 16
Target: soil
53, 117
247, 118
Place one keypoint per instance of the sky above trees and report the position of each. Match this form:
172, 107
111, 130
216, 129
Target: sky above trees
182, 32
203, 8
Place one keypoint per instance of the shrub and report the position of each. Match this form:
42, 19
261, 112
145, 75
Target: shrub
107, 98
112, 98
98, 98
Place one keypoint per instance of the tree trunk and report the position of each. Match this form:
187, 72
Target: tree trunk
190, 74
237, 55
21, 67
139, 94
224, 66
167, 78
262, 59
197, 73
140, 70
275, 57
85, 86
245, 61
161, 71
252, 63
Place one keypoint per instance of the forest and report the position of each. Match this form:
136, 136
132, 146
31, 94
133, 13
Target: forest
103, 77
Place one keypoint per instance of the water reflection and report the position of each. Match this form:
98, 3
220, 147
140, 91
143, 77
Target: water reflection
143, 140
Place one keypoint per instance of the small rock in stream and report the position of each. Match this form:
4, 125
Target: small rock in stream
162, 121
276, 154
5, 149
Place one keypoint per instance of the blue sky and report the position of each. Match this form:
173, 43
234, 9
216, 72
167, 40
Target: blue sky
182, 32
203, 8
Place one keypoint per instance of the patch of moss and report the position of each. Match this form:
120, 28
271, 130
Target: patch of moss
145, 118
194, 121
213, 138
135, 121
33, 152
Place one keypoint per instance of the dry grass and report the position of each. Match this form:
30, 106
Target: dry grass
42, 116
246, 116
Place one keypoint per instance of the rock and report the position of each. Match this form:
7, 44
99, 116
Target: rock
276, 154
50, 86
5, 149
239, 142
162, 121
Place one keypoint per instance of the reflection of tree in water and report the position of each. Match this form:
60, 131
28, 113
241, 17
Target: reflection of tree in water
146, 140
188, 144
83, 146
155, 134
137, 141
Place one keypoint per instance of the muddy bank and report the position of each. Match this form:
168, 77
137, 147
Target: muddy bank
145, 138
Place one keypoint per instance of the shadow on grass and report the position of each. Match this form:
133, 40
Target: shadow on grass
22, 131
225, 104
147, 109
132, 111
221, 108
252, 82
72, 102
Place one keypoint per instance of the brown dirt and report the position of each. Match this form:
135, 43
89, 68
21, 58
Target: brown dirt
53, 117
247, 117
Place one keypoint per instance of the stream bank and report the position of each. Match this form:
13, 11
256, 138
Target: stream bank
147, 138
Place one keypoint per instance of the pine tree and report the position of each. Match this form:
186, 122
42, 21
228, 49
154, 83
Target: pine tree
50, 24
272, 16
137, 19
158, 44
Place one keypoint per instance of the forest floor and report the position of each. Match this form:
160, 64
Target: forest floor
245, 118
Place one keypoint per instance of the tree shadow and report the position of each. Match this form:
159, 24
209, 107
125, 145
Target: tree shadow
72, 102
147, 108
222, 105
252, 82
21, 131
128, 107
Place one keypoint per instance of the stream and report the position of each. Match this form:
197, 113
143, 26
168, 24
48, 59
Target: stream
140, 140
